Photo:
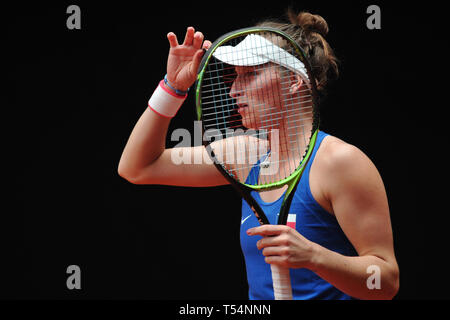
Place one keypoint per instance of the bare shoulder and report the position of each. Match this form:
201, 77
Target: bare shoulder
335, 154
343, 167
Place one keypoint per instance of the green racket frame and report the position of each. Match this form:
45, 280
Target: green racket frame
293, 179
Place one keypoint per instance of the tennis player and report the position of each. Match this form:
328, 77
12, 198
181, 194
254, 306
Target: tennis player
342, 247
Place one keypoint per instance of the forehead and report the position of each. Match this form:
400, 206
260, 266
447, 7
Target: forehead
246, 69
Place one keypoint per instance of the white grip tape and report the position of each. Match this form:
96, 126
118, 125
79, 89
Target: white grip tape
281, 279
164, 102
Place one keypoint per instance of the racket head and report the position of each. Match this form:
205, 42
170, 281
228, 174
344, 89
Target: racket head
257, 100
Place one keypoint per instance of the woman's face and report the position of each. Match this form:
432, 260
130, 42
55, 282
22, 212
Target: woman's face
259, 93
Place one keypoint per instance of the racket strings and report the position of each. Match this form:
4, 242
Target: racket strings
228, 83
260, 98
237, 152
227, 120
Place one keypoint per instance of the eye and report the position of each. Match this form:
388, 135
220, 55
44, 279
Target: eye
229, 75
249, 72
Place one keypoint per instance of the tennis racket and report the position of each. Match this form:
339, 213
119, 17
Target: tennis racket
256, 99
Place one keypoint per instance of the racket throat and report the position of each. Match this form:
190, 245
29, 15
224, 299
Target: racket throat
262, 220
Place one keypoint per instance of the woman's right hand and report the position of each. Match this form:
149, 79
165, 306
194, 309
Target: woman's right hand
184, 59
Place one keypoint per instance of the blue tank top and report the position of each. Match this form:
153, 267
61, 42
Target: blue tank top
312, 221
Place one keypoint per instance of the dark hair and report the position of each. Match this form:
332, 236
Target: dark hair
309, 31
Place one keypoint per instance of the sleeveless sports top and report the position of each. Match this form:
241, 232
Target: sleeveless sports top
312, 221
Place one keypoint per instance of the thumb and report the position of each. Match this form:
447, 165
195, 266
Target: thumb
197, 59
200, 53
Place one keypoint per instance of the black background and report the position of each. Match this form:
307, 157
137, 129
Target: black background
73, 97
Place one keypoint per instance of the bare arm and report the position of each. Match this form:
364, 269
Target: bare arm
359, 202
145, 145
145, 160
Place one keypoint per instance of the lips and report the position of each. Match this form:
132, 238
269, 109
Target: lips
241, 106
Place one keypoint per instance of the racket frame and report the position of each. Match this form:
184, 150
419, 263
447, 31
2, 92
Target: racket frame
292, 180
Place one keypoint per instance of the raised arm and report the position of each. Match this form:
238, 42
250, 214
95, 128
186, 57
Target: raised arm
145, 160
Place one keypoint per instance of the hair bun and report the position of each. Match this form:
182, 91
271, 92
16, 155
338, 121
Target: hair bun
310, 22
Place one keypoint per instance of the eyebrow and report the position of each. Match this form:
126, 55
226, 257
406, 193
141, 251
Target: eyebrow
245, 68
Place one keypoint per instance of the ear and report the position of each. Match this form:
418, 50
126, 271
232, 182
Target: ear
296, 84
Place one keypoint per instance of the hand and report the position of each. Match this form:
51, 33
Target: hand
284, 246
183, 60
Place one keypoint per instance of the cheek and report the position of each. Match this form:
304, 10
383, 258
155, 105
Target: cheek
269, 92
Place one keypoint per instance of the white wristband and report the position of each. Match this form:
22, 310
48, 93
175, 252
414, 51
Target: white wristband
164, 102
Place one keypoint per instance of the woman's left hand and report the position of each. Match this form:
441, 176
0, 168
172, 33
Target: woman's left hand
284, 246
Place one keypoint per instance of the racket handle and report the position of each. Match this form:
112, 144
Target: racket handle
281, 283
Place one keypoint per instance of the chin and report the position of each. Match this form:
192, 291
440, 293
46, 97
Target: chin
248, 124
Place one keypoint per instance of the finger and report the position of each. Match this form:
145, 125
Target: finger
277, 260
189, 36
198, 40
197, 59
271, 242
172, 39
273, 251
267, 230
206, 45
